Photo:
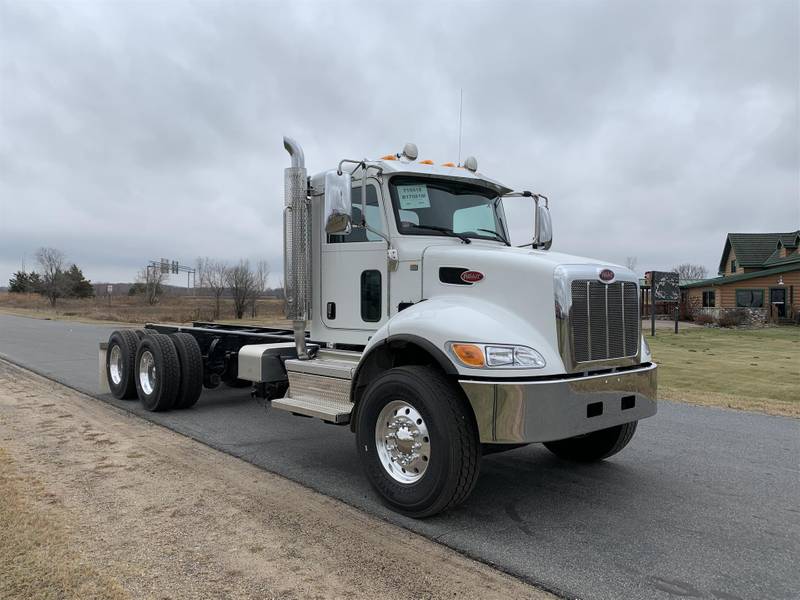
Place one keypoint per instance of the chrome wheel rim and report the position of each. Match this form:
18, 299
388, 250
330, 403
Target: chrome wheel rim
147, 372
115, 365
403, 442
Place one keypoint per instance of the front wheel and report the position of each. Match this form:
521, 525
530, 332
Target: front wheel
593, 446
417, 441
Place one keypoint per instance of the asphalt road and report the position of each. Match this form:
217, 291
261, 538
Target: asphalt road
702, 504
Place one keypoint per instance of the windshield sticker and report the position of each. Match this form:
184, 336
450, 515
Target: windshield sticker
413, 196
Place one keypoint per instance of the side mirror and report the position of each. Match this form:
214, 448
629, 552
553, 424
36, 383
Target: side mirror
338, 203
543, 236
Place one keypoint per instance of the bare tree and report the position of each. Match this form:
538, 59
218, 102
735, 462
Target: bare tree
688, 271
152, 278
631, 262
241, 283
53, 281
213, 275
261, 280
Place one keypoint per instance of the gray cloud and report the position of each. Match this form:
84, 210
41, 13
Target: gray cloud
131, 131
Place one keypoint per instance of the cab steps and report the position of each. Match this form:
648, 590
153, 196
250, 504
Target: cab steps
320, 387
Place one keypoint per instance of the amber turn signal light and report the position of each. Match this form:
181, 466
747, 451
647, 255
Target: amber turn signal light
469, 354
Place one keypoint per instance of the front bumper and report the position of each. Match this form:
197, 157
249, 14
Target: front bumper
514, 412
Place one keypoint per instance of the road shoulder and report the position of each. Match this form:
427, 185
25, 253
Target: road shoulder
140, 511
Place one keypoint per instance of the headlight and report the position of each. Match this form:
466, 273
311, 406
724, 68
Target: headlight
489, 356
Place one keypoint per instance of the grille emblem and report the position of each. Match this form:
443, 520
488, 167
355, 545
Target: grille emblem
606, 275
471, 276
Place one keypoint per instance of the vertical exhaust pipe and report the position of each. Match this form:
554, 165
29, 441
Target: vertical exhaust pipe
297, 246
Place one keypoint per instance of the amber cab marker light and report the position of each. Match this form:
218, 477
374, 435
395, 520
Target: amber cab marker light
469, 354
389, 157
449, 164
426, 162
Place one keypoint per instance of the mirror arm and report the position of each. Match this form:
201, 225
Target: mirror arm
536, 197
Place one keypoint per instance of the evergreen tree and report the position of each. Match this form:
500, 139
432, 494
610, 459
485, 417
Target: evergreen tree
19, 283
76, 286
34, 283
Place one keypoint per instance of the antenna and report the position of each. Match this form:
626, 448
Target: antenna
460, 113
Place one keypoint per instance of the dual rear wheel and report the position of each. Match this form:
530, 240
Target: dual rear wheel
163, 371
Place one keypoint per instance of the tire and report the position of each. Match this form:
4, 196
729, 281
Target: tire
191, 364
162, 385
120, 373
449, 456
593, 446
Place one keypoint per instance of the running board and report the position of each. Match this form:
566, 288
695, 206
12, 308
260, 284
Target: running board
320, 387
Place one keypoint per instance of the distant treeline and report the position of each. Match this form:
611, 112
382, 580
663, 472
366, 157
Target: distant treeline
53, 279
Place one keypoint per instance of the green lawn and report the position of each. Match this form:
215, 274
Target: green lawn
753, 369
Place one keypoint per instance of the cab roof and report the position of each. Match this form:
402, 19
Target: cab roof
417, 168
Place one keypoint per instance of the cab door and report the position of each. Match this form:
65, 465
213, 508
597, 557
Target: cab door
353, 271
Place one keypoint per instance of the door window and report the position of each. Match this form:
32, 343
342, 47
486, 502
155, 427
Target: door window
371, 296
374, 219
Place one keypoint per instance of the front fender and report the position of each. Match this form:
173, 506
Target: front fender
444, 319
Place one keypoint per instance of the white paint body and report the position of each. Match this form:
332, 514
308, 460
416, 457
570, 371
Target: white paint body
513, 304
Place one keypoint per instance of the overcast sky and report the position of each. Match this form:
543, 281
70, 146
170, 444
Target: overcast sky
132, 131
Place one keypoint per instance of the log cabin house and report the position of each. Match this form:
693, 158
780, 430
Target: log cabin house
759, 273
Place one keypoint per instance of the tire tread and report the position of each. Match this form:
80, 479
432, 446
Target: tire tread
191, 368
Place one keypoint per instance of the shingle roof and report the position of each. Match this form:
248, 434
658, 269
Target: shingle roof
754, 249
790, 265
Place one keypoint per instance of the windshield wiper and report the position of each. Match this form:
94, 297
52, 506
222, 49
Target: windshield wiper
497, 235
445, 230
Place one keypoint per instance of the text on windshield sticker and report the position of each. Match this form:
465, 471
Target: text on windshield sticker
413, 196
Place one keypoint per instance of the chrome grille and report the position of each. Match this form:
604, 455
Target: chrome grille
604, 320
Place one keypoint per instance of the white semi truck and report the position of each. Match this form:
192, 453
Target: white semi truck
418, 324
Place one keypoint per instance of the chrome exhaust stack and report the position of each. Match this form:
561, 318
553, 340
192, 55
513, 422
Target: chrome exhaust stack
297, 245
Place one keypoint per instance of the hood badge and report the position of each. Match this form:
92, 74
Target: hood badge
606, 275
471, 276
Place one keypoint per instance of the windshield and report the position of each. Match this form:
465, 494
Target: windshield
465, 209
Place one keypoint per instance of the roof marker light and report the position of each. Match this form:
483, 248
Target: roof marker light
448, 164
389, 157
426, 162
410, 151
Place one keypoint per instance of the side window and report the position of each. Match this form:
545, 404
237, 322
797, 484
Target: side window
374, 219
749, 298
371, 296
473, 218
709, 299
733, 266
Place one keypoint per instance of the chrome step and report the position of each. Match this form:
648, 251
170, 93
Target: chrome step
337, 367
313, 408
320, 387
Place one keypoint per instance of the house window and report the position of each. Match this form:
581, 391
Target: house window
709, 299
749, 298
733, 266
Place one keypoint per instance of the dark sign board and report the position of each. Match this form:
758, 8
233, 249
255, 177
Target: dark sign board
665, 287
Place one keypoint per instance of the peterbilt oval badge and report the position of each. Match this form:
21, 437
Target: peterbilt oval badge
471, 276
606, 275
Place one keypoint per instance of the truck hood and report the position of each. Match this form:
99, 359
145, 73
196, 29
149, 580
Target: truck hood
517, 290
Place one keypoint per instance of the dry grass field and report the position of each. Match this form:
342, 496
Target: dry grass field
133, 309
756, 369
749, 369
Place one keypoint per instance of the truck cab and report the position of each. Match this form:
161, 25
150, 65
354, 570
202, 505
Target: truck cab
416, 322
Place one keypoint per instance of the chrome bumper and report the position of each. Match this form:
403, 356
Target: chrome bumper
514, 412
